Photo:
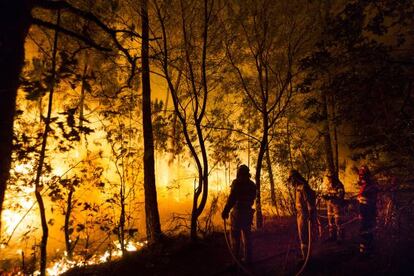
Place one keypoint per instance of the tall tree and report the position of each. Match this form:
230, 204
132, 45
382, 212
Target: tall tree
14, 25
185, 56
42, 155
15, 20
359, 72
263, 46
327, 135
151, 205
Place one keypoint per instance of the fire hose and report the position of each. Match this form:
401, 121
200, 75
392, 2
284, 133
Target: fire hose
305, 263
309, 249
245, 270
342, 224
239, 264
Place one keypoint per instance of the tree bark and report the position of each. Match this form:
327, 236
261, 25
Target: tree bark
69, 207
121, 228
82, 95
329, 157
151, 204
198, 112
262, 150
271, 180
39, 171
14, 25
203, 187
335, 134
289, 143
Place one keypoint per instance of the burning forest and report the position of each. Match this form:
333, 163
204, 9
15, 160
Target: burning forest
208, 137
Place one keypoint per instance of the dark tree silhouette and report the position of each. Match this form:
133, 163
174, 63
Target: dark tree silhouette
14, 25
151, 205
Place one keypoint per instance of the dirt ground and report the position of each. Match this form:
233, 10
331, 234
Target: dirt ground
276, 252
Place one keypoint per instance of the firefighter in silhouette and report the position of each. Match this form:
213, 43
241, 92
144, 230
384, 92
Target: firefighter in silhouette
334, 195
305, 202
367, 198
241, 199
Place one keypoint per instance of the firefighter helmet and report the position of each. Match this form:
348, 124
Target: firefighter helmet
243, 170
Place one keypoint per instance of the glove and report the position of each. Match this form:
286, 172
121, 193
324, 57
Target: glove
225, 215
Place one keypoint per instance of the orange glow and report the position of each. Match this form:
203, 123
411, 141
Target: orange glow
64, 264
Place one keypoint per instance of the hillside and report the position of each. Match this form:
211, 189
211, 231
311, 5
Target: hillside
275, 253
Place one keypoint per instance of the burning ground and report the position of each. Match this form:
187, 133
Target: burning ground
276, 252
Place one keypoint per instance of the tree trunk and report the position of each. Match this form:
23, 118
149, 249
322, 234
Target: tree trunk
200, 135
14, 25
121, 228
262, 150
289, 143
201, 185
82, 95
335, 134
39, 172
45, 232
174, 130
336, 149
151, 204
327, 136
202, 189
271, 180
68, 243
194, 215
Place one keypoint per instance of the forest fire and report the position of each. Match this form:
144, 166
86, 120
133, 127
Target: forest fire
64, 264
12, 218
155, 124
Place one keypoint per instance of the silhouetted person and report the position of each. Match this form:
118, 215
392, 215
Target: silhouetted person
367, 198
241, 199
305, 202
334, 194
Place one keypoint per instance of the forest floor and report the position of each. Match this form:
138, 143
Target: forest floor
276, 252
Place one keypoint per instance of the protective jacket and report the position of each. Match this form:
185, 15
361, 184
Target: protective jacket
241, 199
367, 198
334, 196
305, 201
335, 192
368, 194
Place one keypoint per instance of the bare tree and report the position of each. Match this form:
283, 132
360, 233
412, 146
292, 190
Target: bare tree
15, 20
38, 185
151, 205
14, 25
262, 51
189, 95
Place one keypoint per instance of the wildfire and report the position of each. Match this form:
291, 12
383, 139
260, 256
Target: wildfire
23, 168
64, 264
13, 217
22, 201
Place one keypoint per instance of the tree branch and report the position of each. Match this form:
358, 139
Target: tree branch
63, 5
86, 40
233, 130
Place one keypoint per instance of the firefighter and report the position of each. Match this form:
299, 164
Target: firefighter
367, 198
334, 196
241, 199
305, 202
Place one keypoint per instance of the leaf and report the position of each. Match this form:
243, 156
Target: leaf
80, 227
